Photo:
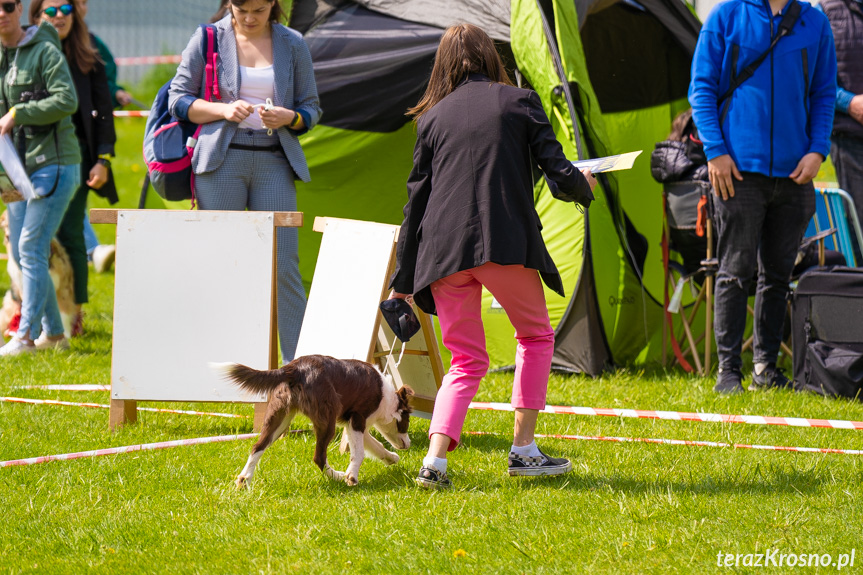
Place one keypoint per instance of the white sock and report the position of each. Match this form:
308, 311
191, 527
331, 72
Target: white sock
529, 450
438, 463
759, 368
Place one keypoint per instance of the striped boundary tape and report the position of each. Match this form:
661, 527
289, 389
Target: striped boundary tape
181, 442
127, 449
683, 416
102, 406
691, 443
69, 387
147, 60
131, 113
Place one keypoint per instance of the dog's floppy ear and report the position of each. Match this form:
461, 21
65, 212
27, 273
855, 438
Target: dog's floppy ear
404, 393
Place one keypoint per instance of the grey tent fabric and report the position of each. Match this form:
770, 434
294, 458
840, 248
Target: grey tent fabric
490, 15
579, 340
370, 67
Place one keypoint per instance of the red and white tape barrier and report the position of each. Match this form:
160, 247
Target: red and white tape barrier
69, 387
691, 443
101, 406
146, 60
131, 113
684, 416
127, 449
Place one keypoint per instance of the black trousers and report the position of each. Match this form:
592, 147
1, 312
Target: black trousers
71, 236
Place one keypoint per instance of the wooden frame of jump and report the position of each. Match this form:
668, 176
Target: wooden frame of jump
343, 319
124, 411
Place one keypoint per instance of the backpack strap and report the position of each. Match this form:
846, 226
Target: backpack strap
210, 48
789, 19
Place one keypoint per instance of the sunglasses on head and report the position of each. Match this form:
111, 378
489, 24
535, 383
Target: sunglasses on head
51, 12
8, 7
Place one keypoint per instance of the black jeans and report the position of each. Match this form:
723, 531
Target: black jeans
760, 228
71, 237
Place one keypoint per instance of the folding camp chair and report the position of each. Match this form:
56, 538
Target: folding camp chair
688, 231
833, 210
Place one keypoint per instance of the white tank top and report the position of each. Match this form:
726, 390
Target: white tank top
256, 85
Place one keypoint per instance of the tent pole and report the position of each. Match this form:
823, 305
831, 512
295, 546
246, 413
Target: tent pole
561, 74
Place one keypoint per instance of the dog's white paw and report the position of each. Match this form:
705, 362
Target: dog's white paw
352, 480
391, 458
333, 474
241, 482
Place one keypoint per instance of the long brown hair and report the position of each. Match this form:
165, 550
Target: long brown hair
220, 13
277, 14
463, 49
680, 126
77, 46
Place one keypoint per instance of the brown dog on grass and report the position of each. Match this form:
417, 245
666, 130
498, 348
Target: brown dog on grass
329, 392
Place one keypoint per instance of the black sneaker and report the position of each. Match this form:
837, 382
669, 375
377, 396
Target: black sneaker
771, 378
541, 465
431, 478
728, 381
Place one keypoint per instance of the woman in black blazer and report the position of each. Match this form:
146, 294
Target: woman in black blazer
470, 222
94, 127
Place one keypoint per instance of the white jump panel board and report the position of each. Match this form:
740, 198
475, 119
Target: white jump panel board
192, 287
350, 276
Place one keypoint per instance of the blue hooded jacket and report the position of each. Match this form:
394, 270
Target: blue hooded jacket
785, 110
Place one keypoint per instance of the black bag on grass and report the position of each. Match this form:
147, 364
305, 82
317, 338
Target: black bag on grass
827, 332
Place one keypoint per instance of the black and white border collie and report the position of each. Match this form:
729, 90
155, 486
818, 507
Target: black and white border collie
330, 392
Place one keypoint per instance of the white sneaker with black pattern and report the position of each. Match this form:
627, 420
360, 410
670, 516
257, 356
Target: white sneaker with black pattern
539, 465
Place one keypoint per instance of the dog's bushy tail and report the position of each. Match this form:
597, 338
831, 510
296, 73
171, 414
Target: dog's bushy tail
253, 380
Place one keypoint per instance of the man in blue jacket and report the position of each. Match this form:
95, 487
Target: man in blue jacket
764, 143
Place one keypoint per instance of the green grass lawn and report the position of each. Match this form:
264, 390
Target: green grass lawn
625, 508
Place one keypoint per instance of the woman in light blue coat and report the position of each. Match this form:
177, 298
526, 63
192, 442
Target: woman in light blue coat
248, 155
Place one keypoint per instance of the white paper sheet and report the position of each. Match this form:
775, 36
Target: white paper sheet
15, 185
608, 163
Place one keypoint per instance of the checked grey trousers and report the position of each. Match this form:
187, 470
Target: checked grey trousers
262, 181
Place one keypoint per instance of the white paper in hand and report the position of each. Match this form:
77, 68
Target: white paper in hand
15, 185
608, 163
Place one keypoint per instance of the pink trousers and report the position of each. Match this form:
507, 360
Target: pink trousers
458, 299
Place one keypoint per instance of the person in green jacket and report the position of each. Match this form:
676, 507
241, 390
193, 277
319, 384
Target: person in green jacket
37, 99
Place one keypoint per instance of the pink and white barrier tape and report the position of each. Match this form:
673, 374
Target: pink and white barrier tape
125, 449
145, 60
131, 113
684, 416
70, 387
101, 406
691, 443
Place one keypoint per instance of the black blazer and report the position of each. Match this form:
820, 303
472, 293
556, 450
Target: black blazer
94, 121
470, 193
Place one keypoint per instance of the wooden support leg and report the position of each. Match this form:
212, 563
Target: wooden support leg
664, 339
708, 324
692, 347
122, 411
260, 412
